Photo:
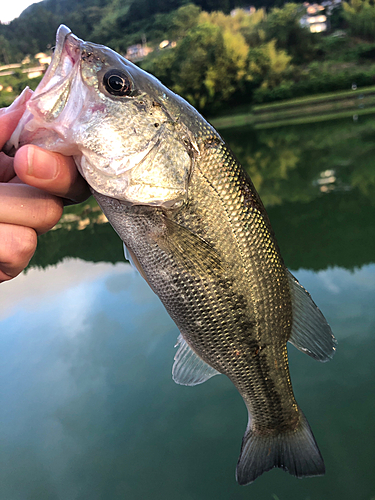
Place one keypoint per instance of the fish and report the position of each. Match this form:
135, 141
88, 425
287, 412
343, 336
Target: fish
195, 227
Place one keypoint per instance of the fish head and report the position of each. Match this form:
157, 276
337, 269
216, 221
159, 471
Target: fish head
132, 138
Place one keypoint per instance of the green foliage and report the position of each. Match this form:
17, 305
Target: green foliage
270, 63
160, 64
317, 82
360, 16
35, 34
220, 59
54, 246
214, 64
283, 25
6, 51
207, 66
196, 58
18, 81
182, 20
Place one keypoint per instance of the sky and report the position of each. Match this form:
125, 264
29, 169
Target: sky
10, 10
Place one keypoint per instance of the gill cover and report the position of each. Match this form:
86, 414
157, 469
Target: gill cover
120, 124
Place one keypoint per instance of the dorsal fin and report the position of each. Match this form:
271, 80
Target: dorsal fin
188, 367
310, 331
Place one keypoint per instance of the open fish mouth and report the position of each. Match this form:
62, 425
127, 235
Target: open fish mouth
66, 55
47, 120
53, 91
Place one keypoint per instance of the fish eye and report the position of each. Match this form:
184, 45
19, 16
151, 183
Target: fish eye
117, 82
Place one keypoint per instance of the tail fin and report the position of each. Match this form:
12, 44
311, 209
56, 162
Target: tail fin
295, 451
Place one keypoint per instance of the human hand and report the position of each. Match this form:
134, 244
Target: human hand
33, 187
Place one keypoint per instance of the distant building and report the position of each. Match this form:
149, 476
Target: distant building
34, 74
317, 15
314, 8
137, 52
43, 58
166, 44
246, 10
314, 19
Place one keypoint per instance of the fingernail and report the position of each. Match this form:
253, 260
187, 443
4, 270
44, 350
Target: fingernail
41, 164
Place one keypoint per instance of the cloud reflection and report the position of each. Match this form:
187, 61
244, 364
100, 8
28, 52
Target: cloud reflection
88, 407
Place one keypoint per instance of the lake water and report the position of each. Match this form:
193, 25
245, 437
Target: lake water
88, 407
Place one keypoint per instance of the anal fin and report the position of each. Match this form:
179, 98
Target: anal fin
188, 367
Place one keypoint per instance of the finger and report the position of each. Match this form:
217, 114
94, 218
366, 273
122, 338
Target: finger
9, 117
28, 206
6, 168
52, 172
18, 244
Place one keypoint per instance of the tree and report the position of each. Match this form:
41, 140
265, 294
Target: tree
360, 17
283, 25
209, 65
5, 50
269, 65
184, 19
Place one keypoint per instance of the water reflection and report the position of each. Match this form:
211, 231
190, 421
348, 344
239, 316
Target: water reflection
329, 226
286, 163
88, 407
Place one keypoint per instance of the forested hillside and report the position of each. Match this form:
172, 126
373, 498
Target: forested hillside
218, 58
115, 22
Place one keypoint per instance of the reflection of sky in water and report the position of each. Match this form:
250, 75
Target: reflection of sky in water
89, 410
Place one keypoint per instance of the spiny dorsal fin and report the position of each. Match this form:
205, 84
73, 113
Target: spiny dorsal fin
310, 331
188, 367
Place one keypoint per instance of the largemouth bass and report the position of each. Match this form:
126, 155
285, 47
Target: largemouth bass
196, 229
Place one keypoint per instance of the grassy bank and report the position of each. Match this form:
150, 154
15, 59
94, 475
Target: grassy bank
303, 110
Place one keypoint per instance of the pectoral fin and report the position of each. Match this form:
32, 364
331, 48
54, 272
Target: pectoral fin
130, 256
188, 367
310, 331
192, 251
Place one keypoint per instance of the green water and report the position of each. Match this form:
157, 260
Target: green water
88, 409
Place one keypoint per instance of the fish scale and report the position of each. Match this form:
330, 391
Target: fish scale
227, 182
224, 322
195, 228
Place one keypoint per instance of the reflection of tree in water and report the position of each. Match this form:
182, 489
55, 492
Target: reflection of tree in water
95, 243
269, 160
285, 163
336, 229
314, 229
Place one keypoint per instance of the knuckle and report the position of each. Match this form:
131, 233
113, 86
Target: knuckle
47, 214
24, 245
18, 244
